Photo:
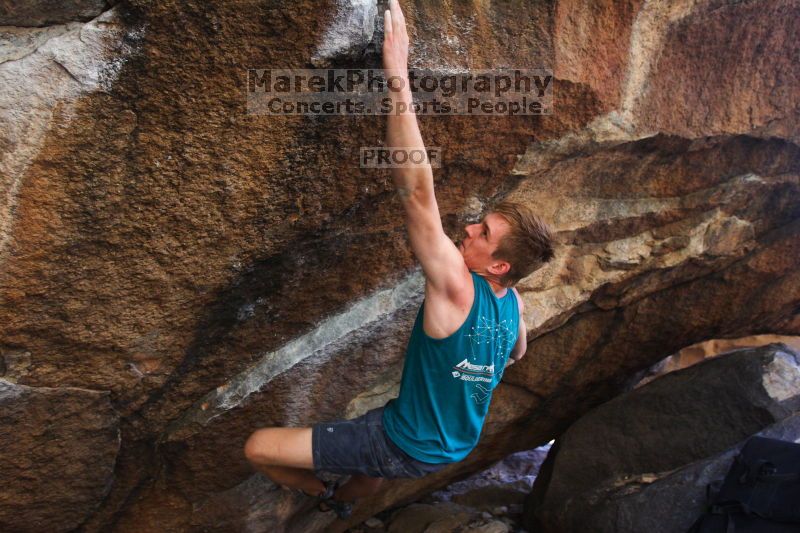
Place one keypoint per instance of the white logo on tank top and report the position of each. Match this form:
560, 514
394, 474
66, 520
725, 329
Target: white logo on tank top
501, 338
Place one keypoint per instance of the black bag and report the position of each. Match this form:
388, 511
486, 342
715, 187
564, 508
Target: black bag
760, 493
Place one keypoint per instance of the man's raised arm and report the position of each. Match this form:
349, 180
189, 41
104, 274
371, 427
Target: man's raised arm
441, 261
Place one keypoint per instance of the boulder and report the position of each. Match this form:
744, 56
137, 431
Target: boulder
217, 271
641, 461
59, 448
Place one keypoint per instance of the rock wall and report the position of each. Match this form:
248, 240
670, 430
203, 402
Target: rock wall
212, 271
59, 451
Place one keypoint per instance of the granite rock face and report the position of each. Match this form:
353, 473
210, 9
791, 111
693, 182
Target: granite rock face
216, 271
59, 448
641, 462
32, 13
348, 34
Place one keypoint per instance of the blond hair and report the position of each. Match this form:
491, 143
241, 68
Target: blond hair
527, 246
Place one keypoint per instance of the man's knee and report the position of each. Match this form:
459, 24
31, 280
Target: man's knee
280, 447
261, 447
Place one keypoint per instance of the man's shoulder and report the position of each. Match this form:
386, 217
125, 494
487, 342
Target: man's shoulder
520, 303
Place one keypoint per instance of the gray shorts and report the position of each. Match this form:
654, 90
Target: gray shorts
361, 446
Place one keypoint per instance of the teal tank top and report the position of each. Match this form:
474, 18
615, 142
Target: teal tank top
447, 383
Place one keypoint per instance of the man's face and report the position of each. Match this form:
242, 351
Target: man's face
481, 241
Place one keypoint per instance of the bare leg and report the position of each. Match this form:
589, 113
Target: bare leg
294, 478
284, 455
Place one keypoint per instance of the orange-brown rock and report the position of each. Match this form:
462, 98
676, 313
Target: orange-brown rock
59, 448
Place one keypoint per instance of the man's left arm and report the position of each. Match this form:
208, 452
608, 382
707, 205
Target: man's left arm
445, 271
521, 346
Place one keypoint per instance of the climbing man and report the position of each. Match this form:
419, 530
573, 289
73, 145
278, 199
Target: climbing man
468, 326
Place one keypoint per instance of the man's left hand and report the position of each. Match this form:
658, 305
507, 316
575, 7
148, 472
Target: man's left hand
395, 42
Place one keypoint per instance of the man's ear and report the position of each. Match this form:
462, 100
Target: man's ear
499, 268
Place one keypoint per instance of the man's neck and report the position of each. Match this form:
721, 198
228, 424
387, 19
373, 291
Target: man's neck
498, 288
